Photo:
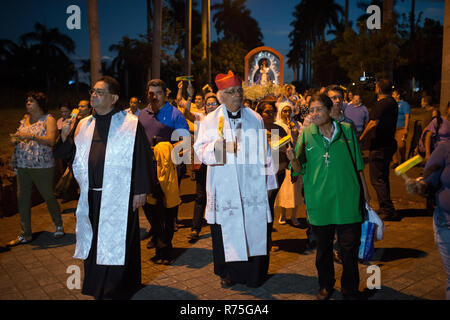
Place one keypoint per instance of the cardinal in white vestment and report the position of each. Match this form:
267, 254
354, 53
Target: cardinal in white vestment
232, 142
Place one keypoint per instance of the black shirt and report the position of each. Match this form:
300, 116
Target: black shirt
386, 111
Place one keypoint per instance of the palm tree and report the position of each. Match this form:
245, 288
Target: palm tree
121, 63
149, 33
149, 18
388, 11
94, 40
412, 18
311, 19
445, 82
49, 45
233, 19
188, 28
156, 44
388, 22
346, 12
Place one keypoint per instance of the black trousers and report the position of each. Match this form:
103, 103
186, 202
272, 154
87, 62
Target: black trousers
379, 161
200, 198
181, 171
272, 197
162, 220
348, 240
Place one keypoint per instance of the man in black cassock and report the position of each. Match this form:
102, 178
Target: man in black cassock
111, 271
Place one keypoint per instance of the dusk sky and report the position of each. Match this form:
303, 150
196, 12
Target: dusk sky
119, 18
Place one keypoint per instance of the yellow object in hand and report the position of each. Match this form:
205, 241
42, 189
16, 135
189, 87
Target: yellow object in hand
185, 78
220, 129
405, 166
282, 142
74, 113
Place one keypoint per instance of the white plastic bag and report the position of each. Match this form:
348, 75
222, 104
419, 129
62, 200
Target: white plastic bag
374, 218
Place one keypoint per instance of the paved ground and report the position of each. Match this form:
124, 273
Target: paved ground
408, 259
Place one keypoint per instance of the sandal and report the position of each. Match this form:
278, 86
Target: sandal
19, 240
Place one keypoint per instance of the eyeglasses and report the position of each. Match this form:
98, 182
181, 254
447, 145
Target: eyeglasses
212, 104
99, 93
235, 92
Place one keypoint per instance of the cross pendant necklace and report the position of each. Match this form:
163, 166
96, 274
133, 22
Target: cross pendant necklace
327, 144
327, 157
327, 148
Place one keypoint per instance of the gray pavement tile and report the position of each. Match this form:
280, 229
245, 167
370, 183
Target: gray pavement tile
411, 267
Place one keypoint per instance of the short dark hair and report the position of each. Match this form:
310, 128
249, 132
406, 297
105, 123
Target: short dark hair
113, 84
385, 86
334, 87
400, 92
323, 98
41, 99
157, 83
263, 105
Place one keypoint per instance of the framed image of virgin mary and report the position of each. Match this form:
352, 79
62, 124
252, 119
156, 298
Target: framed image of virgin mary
263, 65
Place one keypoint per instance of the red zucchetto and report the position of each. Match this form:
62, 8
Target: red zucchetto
224, 81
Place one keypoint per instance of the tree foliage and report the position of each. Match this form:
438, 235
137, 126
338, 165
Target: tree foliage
228, 55
39, 60
369, 51
234, 21
311, 19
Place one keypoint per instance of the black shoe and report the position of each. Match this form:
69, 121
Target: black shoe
194, 236
156, 260
225, 283
324, 294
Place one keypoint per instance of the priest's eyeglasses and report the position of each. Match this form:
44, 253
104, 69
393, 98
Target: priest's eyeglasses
99, 93
235, 92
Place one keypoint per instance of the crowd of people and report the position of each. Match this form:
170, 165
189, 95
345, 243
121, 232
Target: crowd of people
122, 159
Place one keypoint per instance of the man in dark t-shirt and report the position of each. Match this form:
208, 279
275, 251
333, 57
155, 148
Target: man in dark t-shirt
380, 133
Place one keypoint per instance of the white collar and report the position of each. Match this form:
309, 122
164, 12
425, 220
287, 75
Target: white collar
334, 132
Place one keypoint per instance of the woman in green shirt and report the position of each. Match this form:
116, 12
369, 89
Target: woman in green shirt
328, 156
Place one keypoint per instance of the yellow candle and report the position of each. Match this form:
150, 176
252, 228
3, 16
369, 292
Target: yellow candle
405, 166
220, 129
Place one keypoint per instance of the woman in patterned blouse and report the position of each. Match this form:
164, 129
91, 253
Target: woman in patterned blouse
34, 164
